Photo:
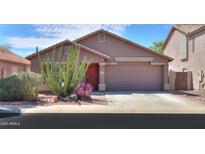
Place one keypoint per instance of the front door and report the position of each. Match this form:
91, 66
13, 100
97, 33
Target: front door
92, 75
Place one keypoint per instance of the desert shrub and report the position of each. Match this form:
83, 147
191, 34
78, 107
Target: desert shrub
62, 78
83, 90
21, 86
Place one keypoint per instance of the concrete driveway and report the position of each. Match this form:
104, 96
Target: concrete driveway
121, 102
154, 102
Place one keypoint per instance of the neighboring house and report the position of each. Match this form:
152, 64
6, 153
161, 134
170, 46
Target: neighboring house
186, 44
117, 63
11, 63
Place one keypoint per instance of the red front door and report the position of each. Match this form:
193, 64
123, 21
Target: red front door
92, 75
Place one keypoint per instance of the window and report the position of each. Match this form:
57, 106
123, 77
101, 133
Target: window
101, 37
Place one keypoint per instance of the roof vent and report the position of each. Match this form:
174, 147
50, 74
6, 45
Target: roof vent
101, 37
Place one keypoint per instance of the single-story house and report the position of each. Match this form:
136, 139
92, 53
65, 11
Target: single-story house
117, 63
186, 44
11, 63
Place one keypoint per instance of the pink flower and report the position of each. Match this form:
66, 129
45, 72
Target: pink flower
83, 89
80, 91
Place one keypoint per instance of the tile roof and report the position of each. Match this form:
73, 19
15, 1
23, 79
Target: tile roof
188, 28
73, 43
125, 40
11, 57
98, 52
93, 51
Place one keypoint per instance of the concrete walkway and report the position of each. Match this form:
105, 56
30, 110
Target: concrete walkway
122, 102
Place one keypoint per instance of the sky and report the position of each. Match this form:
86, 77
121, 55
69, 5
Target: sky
23, 38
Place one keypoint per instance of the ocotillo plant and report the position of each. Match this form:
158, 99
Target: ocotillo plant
62, 78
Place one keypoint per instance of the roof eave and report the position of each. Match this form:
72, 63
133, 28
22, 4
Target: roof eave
114, 35
88, 35
16, 62
168, 37
138, 45
186, 34
197, 31
71, 42
46, 49
92, 50
170, 34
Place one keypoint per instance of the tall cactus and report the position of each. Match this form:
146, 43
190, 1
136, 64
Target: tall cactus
62, 78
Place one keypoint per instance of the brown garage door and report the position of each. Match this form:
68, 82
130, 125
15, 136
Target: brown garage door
133, 76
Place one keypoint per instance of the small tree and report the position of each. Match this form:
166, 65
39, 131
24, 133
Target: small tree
62, 78
157, 46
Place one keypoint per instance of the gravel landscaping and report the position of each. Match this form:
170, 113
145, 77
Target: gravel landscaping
114, 102
50, 99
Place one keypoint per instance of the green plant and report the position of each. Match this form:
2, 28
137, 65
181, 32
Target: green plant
22, 86
157, 46
62, 78
5, 47
31, 82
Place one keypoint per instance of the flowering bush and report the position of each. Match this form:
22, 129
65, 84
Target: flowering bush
83, 90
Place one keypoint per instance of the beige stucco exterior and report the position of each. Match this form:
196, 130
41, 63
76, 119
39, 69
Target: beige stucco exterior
119, 48
195, 62
62, 51
8, 68
10, 63
173, 50
146, 67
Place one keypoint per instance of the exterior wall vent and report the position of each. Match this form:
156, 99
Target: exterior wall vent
101, 37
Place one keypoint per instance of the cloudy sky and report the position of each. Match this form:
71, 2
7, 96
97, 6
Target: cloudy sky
23, 38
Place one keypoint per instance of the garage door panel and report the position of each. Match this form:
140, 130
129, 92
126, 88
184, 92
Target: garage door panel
133, 76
